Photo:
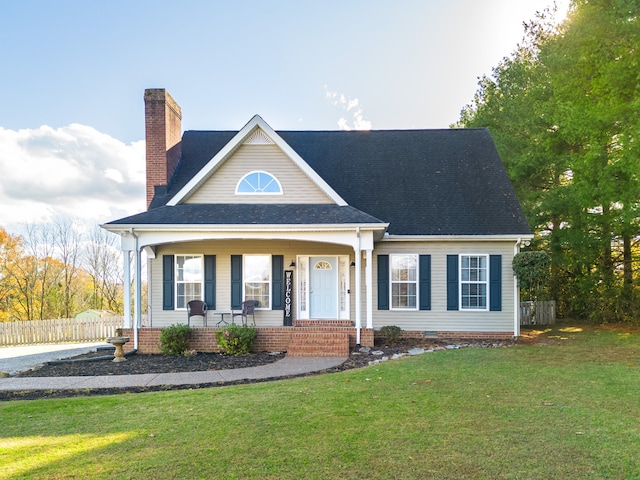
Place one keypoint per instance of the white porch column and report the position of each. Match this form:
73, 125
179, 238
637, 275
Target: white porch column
369, 287
127, 245
126, 256
137, 301
358, 294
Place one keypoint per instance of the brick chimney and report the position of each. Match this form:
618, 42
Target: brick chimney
163, 131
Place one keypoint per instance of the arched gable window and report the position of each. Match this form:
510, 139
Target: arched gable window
259, 182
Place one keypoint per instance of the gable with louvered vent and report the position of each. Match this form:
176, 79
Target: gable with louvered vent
258, 138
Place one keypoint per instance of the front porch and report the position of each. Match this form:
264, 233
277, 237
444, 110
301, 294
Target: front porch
306, 338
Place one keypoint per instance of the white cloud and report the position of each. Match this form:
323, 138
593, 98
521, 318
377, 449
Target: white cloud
72, 171
350, 106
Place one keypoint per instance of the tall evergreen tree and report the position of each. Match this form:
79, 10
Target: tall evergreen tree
564, 110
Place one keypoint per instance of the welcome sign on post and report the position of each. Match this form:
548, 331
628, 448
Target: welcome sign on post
288, 295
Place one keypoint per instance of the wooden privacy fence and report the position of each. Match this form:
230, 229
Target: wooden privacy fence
538, 313
59, 330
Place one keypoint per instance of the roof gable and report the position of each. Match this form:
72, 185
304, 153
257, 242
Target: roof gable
266, 158
257, 131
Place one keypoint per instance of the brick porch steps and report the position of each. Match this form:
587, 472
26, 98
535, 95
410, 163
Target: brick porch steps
313, 342
322, 323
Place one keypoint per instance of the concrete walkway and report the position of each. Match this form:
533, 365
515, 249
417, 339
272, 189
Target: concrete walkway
282, 368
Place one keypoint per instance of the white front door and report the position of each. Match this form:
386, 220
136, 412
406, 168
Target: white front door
323, 291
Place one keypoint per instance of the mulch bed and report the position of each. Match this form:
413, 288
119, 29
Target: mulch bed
91, 365
100, 363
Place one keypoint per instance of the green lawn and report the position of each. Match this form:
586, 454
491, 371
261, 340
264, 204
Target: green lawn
562, 411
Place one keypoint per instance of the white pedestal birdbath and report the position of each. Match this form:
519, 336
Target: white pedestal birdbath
118, 342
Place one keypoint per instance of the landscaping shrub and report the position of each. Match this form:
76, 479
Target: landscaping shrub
236, 340
174, 340
390, 334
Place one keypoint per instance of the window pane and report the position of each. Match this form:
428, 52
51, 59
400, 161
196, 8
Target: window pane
302, 266
259, 182
188, 279
189, 268
187, 292
482, 269
344, 285
403, 295
474, 296
258, 292
257, 268
473, 279
404, 274
257, 278
404, 268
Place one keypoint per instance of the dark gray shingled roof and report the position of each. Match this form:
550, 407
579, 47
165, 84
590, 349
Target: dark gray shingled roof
421, 182
242, 214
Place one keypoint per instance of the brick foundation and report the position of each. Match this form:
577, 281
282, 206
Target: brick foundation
269, 339
310, 339
457, 335
476, 335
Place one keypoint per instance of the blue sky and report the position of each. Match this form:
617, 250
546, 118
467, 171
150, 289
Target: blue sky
74, 73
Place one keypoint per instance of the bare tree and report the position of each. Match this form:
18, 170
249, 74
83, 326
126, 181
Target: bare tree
102, 258
35, 272
67, 242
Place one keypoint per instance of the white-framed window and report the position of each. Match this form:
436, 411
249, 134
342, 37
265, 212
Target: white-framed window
189, 279
303, 267
257, 279
343, 286
474, 282
404, 281
260, 183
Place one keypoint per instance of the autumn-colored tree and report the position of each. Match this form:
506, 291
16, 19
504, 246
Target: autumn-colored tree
10, 253
103, 264
41, 274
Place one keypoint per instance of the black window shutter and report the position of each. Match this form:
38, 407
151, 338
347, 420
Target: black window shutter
167, 282
210, 281
452, 282
277, 282
495, 283
236, 282
425, 282
383, 282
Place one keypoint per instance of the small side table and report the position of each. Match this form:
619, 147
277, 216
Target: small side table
222, 320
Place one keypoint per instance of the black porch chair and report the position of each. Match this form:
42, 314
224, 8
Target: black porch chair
197, 308
248, 308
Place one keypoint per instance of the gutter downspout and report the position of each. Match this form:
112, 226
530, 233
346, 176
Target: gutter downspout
358, 289
516, 294
126, 263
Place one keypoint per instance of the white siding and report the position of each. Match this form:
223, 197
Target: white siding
436, 319
439, 318
223, 251
296, 185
